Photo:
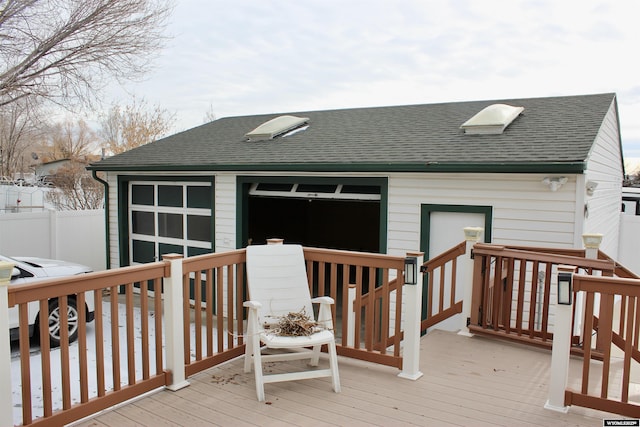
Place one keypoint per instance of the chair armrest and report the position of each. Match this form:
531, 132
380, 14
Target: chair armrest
324, 314
252, 320
322, 300
252, 304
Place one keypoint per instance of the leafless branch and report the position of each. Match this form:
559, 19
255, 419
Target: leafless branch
65, 50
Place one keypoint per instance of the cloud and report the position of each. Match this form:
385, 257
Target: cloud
274, 56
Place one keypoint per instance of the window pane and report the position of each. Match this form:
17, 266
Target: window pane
191, 251
316, 188
143, 252
170, 225
269, 186
142, 195
142, 223
361, 189
199, 197
170, 195
199, 228
165, 248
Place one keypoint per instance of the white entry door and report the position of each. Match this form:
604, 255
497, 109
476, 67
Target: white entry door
446, 230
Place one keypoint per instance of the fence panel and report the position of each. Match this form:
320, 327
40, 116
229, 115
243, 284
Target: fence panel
611, 381
76, 236
513, 288
213, 318
120, 355
377, 319
442, 283
106, 365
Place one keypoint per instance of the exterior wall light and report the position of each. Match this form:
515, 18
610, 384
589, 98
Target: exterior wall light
565, 291
411, 270
473, 233
6, 268
555, 182
590, 187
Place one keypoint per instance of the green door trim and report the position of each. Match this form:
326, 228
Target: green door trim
425, 233
123, 207
425, 221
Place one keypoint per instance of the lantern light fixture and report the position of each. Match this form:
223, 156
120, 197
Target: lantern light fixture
565, 291
411, 270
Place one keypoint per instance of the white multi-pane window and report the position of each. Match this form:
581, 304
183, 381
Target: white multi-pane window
169, 217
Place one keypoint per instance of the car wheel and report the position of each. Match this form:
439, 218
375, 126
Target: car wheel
54, 321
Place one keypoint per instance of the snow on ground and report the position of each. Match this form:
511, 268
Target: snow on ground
56, 377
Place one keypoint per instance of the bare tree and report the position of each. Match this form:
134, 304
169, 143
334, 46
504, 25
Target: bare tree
20, 130
209, 115
632, 180
65, 50
75, 189
133, 125
69, 140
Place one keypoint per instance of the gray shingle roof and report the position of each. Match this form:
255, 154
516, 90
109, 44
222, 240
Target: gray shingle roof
553, 132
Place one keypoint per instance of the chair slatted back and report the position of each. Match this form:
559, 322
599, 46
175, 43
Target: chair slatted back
277, 278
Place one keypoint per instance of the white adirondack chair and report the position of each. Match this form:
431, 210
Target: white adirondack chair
277, 284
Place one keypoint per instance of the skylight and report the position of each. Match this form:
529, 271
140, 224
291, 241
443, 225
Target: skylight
275, 127
493, 119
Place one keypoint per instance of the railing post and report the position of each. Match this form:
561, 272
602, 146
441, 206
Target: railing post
560, 352
6, 399
351, 317
413, 316
471, 236
174, 322
591, 242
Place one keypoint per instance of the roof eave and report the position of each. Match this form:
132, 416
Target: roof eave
573, 167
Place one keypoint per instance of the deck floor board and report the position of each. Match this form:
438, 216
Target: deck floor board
473, 381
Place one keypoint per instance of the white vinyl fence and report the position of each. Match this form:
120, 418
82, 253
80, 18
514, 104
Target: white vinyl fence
629, 250
75, 236
79, 236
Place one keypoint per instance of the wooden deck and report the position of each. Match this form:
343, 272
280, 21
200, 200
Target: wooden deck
467, 382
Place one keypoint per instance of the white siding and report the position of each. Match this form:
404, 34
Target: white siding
225, 212
525, 211
114, 229
604, 166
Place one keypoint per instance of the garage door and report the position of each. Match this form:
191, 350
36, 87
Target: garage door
169, 217
336, 213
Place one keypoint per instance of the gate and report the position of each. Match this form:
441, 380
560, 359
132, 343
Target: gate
512, 287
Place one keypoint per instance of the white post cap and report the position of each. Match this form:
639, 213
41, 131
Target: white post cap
592, 240
5, 271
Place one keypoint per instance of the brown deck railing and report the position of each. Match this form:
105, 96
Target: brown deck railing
607, 384
217, 284
442, 280
132, 369
512, 289
214, 310
212, 297
619, 270
378, 305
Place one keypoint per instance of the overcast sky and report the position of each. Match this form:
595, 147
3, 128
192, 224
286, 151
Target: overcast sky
272, 56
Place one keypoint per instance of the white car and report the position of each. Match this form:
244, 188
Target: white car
30, 269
